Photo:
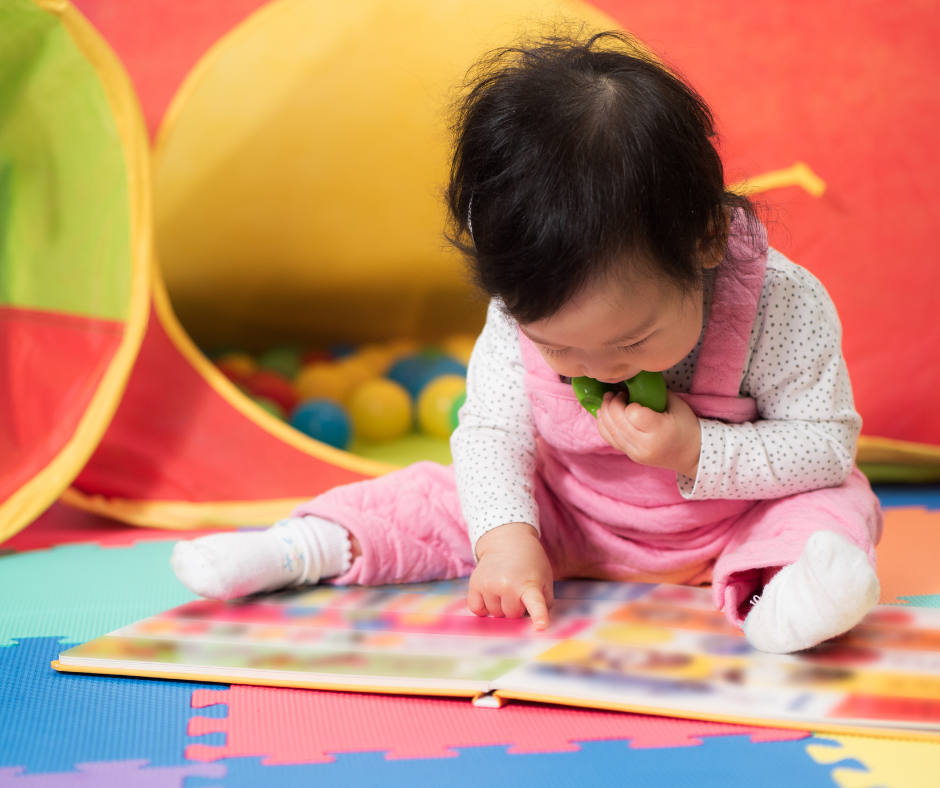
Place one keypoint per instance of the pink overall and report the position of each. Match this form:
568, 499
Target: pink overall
602, 515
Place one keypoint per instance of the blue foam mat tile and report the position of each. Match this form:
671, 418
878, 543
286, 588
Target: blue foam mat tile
719, 762
49, 722
926, 495
111, 774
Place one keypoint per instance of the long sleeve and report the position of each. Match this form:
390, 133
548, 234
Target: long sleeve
494, 446
808, 428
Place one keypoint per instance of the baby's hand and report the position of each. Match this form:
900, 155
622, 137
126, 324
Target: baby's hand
671, 439
513, 575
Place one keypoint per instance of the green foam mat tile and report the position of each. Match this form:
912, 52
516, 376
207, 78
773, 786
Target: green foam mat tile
82, 591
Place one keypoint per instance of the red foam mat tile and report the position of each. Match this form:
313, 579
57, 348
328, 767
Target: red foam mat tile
288, 726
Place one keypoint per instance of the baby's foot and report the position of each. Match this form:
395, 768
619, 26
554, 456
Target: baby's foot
292, 552
825, 593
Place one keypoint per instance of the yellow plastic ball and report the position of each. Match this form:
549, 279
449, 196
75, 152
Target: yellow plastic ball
380, 410
435, 403
322, 379
357, 371
399, 348
377, 357
459, 346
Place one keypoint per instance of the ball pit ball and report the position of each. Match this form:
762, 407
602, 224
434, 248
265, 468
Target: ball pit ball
416, 371
266, 383
455, 409
378, 358
236, 366
399, 348
392, 395
270, 406
431, 353
357, 371
323, 420
380, 410
342, 349
284, 360
436, 403
322, 379
459, 346
443, 366
409, 372
313, 356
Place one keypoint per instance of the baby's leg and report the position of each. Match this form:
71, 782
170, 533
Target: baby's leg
801, 570
407, 525
290, 553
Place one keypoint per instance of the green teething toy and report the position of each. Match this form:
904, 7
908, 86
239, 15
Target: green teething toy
646, 388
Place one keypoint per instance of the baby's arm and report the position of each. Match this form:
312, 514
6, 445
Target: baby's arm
807, 433
494, 462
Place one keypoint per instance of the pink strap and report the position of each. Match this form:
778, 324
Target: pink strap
738, 288
734, 410
532, 359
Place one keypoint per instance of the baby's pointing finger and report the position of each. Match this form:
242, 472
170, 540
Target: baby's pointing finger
548, 592
535, 603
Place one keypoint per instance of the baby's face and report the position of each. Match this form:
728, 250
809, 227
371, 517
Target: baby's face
616, 328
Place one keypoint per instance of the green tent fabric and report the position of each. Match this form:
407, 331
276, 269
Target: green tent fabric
74, 248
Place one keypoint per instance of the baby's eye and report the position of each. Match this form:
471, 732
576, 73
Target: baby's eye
555, 351
635, 346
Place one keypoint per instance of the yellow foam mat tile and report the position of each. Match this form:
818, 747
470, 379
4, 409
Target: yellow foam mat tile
889, 763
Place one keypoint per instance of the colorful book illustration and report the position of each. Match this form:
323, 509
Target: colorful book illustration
656, 649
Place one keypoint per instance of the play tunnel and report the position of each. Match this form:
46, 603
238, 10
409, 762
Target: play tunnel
293, 194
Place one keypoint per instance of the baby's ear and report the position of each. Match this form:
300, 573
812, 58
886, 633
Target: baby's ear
712, 249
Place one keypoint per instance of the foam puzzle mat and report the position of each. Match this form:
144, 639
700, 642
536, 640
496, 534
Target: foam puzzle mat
72, 576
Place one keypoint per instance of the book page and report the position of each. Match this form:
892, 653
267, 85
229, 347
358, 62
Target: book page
671, 650
409, 635
622, 645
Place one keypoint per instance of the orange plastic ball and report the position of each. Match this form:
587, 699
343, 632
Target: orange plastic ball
357, 371
323, 379
459, 346
236, 366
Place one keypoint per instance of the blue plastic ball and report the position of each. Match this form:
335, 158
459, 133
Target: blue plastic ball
442, 366
342, 349
324, 420
415, 372
410, 372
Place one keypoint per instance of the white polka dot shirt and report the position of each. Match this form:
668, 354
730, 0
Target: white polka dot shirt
804, 440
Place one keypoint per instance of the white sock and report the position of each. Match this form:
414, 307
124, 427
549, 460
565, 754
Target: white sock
825, 593
290, 553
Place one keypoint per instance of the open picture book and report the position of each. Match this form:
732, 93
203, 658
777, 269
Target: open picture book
654, 649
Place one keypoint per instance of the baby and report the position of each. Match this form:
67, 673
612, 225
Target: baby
588, 195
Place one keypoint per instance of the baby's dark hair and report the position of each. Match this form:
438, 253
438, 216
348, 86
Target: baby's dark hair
575, 153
